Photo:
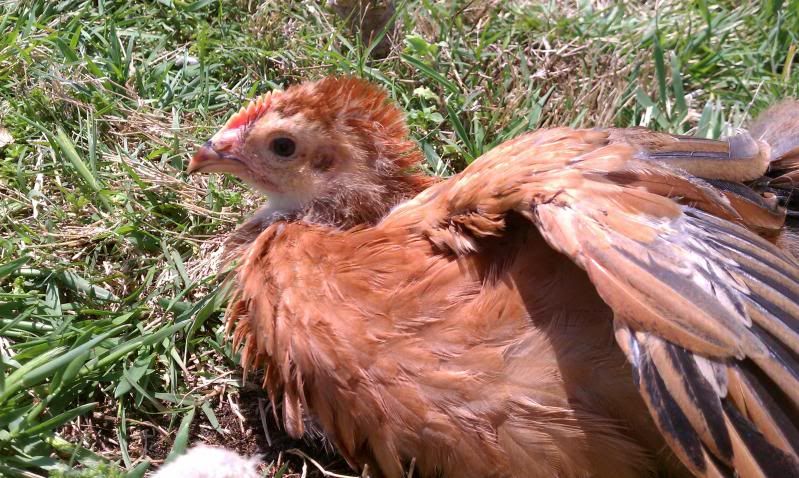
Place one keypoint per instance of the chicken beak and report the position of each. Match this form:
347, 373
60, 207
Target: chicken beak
215, 157
205, 160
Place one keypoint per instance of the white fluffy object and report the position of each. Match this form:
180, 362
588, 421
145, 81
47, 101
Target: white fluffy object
210, 462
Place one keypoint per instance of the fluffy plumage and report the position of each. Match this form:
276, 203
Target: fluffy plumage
204, 461
568, 305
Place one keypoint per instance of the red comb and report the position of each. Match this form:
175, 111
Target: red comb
249, 113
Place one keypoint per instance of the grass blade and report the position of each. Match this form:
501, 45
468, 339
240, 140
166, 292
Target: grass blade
59, 419
432, 74
182, 437
12, 267
68, 149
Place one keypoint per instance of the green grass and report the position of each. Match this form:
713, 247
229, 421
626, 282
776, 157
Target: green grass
111, 344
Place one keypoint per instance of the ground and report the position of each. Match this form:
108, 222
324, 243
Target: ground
112, 348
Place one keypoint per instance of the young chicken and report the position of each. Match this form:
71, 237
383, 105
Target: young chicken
575, 303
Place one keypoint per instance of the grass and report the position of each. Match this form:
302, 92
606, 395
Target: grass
112, 353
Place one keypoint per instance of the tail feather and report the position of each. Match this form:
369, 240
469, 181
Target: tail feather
779, 127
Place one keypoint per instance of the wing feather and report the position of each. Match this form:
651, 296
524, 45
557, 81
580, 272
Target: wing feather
694, 394
755, 402
738, 158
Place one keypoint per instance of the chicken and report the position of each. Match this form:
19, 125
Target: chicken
574, 303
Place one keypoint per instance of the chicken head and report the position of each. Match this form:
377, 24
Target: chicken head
335, 151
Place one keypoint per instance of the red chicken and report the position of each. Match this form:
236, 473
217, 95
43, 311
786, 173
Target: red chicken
570, 304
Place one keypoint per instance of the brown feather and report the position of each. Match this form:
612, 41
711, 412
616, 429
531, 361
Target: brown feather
739, 158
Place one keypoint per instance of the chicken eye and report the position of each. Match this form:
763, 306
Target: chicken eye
283, 147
